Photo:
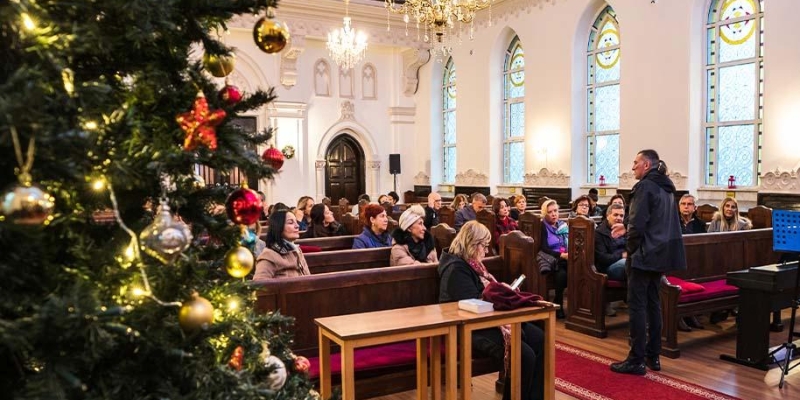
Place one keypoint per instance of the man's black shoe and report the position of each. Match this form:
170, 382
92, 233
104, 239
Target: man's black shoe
654, 363
628, 367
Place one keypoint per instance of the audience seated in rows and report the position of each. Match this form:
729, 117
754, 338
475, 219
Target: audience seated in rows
553, 256
281, 258
727, 219
503, 221
413, 244
459, 202
463, 276
517, 204
469, 213
375, 224
432, 210
323, 223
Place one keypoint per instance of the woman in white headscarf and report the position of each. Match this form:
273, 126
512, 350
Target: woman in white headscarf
413, 244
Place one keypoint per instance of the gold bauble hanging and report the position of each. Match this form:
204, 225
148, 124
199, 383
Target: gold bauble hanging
239, 262
219, 65
270, 35
196, 313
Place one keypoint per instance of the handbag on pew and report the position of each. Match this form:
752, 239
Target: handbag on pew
504, 298
546, 262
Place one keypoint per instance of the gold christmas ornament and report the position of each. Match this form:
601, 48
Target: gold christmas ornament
219, 65
239, 262
26, 204
270, 35
166, 238
196, 313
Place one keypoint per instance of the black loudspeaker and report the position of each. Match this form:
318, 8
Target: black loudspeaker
394, 163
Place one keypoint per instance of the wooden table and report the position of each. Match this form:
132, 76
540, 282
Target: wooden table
471, 322
373, 328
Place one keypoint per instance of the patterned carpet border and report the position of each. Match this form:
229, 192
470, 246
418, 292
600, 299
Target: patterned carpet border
576, 390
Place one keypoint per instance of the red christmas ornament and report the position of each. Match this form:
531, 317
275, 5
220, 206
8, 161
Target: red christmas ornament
200, 124
301, 364
243, 206
230, 94
236, 358
273, 157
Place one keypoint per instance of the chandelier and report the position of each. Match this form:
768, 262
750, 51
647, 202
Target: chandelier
346, 46
438, 17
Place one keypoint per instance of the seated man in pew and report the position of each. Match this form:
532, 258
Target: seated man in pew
281, 258
463, 276
432, 210
413, 244
609, 247
470, 211
690, 223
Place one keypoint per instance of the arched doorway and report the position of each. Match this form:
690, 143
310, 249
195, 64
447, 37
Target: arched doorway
344, 170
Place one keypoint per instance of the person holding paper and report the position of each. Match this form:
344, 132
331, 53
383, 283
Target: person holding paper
463, 276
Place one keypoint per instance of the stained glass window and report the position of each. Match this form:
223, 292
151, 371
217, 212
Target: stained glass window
514, 113
602, 99
734, 91
449, 123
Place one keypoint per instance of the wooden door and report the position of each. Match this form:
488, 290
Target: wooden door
344, 172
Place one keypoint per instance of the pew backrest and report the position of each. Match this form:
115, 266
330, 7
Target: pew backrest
351, 223
340, 260
760, 216
710, 256
706, 211
329, 243
443, 236
447, 215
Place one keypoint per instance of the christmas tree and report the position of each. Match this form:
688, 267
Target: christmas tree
107, 107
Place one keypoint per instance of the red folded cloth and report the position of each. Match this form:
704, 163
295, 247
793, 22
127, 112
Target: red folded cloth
505, 298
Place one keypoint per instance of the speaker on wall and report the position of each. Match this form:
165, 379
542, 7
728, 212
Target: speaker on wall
394, 163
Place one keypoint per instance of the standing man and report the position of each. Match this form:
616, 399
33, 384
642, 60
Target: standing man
432, 210
654, 246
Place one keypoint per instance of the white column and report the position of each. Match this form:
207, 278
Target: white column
374, 182
319, 165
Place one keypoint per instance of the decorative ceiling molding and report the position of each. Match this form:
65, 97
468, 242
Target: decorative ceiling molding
546, 178
781, 181
472, 178
413, 59
422, 179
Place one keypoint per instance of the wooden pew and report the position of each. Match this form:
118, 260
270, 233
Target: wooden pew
329, 243
345, 292
447, 215
530, 224
760, 216
589, 290
351, 223
486, 218
443, 235
342, 260
706, 211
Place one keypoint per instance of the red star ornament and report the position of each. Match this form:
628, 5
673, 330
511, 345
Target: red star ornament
200, 124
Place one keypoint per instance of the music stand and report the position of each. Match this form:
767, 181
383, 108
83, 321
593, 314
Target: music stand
786, 238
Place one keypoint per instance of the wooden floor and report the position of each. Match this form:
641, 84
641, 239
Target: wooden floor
699, 362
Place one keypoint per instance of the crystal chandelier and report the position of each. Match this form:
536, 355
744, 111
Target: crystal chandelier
346, 46
439, 17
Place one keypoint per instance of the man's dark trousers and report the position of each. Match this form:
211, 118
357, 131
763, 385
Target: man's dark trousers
644, 308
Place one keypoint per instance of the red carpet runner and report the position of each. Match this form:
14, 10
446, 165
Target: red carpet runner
585, 375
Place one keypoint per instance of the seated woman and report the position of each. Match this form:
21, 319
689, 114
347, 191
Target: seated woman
518, 204
463, 276
581, 206
323, 224
459, 202
553, 255
303, 212
375, 224
503, 221
413, 244
727, 219
281, 258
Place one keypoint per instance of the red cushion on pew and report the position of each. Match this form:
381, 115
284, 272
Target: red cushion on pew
615, 284
714, 289
367, 358
686, 287
309, 249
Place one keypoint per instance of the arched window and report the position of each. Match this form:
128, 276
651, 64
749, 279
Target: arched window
449, 122
514, 113
734, 91
602, 99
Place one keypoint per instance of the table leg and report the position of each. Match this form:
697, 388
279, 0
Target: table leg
436, 367
466, 362
550, 356
348, 372
324, 366
451, 361
422, 368
516, 361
